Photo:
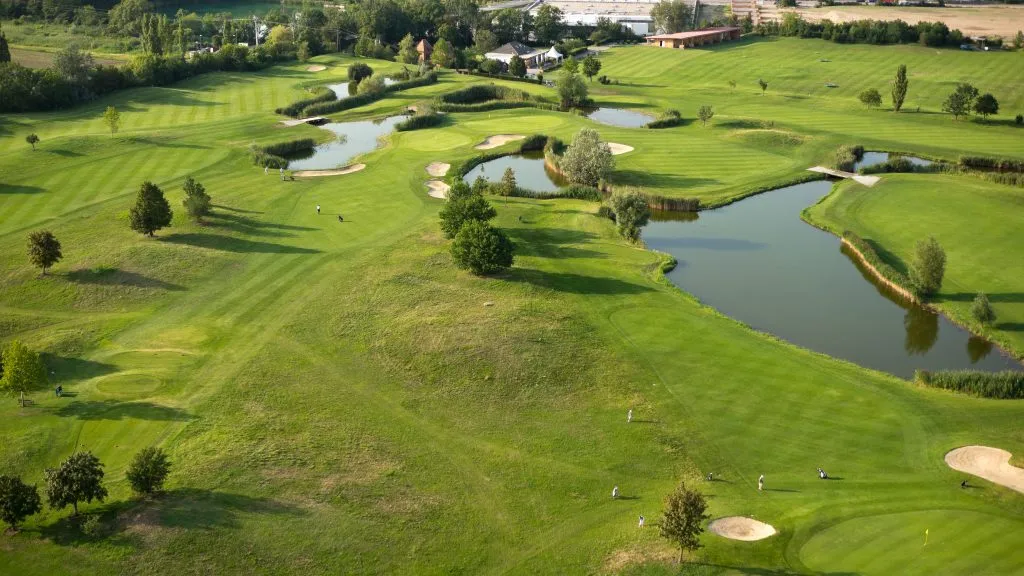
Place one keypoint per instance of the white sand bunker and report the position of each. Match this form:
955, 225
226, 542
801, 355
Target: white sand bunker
619, 148
498, 140
338, 172
992, 464
438, 168
437, 189
316, 68
741, 528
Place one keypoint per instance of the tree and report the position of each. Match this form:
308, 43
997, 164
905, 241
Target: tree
960, 101
358, 71
671, 16
899, 88
151, 211
17, 501
372, 85
460, 210
516, 66
491, 66
548, 25
870, 98
482, 249
23, 371
73, 65
508, 182
570, 65
112, 118
43, 249
763, 85
485, 41
32, 139
982, 310
588, 160
5, 50
929, 267
480, 186
303, 52
986, 105
407, 52
572, 91
591, 66
148, 470
1018, 41
443, 54
197, 201
631, 213
705, 113
79, 478
684, 518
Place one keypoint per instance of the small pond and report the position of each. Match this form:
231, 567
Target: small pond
758, 262
341, 89
531, 173
354, 138
872, 158
619, 117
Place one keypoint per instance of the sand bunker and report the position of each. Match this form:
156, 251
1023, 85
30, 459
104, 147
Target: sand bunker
437, 189
338, 172
619, 148
316, 68
741, 528
992, 464
498, 140
438, 168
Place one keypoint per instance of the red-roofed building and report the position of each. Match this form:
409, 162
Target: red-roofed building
695, 38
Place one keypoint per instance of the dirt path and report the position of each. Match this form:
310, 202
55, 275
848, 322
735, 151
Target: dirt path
438, 169
992, 464
338, 172
741, 528
437, 189
498, 140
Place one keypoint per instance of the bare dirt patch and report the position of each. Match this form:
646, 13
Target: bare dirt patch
741, 528
1001, 21
338, 172
992, 464
437, 189
617, 148
621, 560
438, 169
316, 68
498, 140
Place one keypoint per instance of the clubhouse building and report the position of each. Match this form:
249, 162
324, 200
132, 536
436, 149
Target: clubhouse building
695, 38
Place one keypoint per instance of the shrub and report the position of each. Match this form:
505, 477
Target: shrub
482, 249
288, 147
17, 501
419, 121
533, 142
148, 470
358, 71
1019, 120
491, 66
871, 98
1005, 385
605, 211
295, 108
462, 209
587, 160
197, 201
668, 119
847, 156
929, 267
981, 310
631, 213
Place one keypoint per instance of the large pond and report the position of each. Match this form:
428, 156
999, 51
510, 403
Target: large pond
529, 168
353, 139
619, 117
758, 262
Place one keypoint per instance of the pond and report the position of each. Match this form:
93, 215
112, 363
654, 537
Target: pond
759, 263
341, 90
354, 138
872, 158
619, 117
531, 173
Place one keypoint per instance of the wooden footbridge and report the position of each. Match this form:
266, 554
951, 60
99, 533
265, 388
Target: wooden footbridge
865, 180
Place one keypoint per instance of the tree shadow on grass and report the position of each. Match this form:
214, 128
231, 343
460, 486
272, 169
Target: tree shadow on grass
552, 243
64, 368
575, 283
646, 179
247, 225
16, 189
229, 244
1010, 326
1004, 297
239, 210
65, 153
116, 277
165, 143
185, 508
888, 257
703, 567
116, 410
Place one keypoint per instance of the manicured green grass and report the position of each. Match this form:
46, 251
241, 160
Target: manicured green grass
966, 215
338, 398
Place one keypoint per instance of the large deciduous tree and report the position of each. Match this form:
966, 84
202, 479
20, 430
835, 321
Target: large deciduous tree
79, 478
591, 66
151, 211
148, 470
960, 101
43, 249
631, 213
588, 159
684, 518
986, 106
900, 84
547, 24
17, 501
482, 249
671, 16
24, 371
870, 98
463, 208
443, 54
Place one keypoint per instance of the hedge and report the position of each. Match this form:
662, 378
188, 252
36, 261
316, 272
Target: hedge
665, 123
363, 99
574, 192
996, 164
501, 77
482, 93
494, 105
289, 147
295, 108
420, 121
1006, 385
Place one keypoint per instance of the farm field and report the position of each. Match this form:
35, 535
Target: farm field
1003, 20
959, 212
339, 398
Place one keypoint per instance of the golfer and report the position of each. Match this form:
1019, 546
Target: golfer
615, 492
641, 521
317, 209
629, 416
760, 482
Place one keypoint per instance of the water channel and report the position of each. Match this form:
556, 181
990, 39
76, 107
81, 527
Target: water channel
529, 168
758, 262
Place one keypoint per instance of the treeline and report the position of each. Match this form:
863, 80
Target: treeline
935, 34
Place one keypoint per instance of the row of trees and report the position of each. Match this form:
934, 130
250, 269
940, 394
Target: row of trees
961, 102
77, 479
934, 34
